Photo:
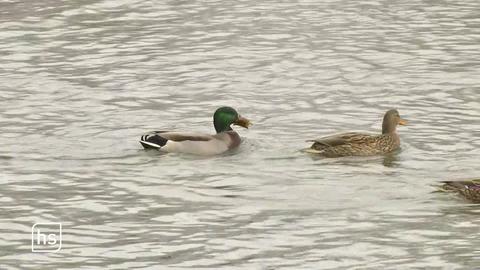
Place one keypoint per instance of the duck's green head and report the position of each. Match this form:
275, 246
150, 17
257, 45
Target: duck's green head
224, 117
391, 120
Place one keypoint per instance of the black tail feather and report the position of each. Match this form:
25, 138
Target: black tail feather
152, 141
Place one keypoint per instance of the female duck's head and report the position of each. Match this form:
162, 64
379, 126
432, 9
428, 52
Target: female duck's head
224, 117
391, 120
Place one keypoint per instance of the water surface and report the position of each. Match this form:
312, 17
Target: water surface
80, 81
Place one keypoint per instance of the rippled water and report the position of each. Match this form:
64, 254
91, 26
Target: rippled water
80, 81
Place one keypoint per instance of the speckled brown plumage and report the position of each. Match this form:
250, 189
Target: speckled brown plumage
469, 189
360, 144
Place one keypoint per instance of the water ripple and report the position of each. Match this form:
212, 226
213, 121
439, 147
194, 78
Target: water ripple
82, 80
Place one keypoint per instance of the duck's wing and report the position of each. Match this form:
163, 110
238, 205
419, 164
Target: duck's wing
343, 138
470, 189
159, 139
459, 185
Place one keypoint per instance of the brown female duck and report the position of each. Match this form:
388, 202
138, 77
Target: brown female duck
470, 189
360, 144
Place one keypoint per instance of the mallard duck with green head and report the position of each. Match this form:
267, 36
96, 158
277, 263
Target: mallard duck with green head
197, 143
361, 144
469, 189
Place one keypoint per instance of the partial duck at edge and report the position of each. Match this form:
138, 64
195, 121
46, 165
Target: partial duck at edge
469, 189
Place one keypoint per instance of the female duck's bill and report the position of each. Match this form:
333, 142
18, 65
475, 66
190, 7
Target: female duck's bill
361, 144
197, 143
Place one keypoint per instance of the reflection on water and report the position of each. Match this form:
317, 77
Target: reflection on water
390, 160
82, 80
